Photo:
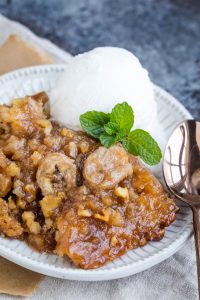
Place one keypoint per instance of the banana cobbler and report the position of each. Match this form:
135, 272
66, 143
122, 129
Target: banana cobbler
64, 193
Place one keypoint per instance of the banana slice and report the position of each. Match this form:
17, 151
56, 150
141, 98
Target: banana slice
105, 168
56, 173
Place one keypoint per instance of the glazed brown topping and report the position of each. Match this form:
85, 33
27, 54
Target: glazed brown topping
64, 193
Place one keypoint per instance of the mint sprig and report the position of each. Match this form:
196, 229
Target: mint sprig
107, 140
93, 122
140, 143
111, 128
122, 115
116, 127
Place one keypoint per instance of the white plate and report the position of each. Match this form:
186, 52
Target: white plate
42, 78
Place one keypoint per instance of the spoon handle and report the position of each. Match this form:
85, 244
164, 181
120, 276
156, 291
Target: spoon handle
196, 223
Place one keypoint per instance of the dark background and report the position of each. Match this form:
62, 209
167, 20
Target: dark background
164, 34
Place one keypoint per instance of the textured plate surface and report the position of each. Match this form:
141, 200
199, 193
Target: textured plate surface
170, 112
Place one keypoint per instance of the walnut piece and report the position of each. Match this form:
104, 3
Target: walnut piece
121, 192
49, 203
82, 212
110, 216
8, 224
29, 218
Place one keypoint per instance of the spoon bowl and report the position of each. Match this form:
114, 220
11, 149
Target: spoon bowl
181, 168
181, 165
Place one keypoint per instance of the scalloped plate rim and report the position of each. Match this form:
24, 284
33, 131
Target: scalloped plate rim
96, 274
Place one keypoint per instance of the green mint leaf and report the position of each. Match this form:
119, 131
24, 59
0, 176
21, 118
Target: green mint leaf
93, 122
121, 136
122, 114
111, 128
115, 127
124, 142
107, 140
140, 143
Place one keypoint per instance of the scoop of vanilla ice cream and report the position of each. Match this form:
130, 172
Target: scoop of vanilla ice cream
99, 79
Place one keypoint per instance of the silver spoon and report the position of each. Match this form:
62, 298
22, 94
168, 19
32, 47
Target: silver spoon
181, 167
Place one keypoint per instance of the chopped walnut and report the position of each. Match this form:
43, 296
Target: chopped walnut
84, 147
46, 124
53, 141
110, 216
36, 158
21, 203
73, 150
18, 188
33, 144
11, 203
113, 241
30, 188
67, 133
29, 218
5, 185
107, 200
121, 192
15, 147
48, 223
31, 192
49, 203
8, 224
3, 160
13, 170
64, 132
82, 212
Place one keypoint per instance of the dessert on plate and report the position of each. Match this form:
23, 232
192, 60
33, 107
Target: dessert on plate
80, 193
